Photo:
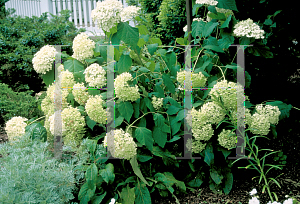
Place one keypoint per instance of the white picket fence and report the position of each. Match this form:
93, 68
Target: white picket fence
80, 16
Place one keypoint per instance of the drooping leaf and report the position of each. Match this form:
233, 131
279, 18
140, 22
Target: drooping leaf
144, 136
124, 63
137, 171
228, 183
90, 123
128, 34
126, 110
159, 136
108, 173
128, 195
209, 154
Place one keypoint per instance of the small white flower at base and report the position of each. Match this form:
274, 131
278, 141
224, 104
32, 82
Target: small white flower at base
43, 59
253, 192
254, 200
248, 29
207, 2
112, 201
15, 128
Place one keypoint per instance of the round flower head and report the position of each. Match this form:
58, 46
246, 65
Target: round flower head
195, 19
74, 124
51, 93
197, 80
195, 146
241, 116
198, 118
83, 47
212, 112
95, 75
43, 59
227, 12
123, 91
227, 139
15, 128
228, 94
272, 112
107, 14
157, 102
51, 120
248, 29
80, 94
67, 80
129, 13
207, 2
47, 106
123, 144
95, 110
260, 124
203, 133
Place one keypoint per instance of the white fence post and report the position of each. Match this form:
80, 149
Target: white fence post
46, 6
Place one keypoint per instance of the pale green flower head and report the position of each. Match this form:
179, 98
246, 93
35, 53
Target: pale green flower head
272, 112
15, 128
157, 102
123, 144
47, 106
83, 47
207, 2
212, 112
95, 75
43, 59
122, 89
197, 80
95, 110
129, 13
260, 123
51, 93
247, 115
203, 133
80, 94
195, 146
227, 12
51, 120
227, 139
67, 80
248, 28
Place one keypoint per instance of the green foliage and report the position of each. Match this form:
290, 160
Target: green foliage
21, 38
17, 104
27, 175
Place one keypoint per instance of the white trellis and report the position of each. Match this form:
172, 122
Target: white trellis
80, 16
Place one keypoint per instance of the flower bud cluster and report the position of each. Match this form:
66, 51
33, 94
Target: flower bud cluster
15, 128
83, 47
227, 139
157, 102
123, 144
123, 91
95, 75
80, 94
248, 29
43, 59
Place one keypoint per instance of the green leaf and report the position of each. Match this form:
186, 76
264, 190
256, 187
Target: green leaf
128, 34
166, 128
90, 60
98, 199
263, 51
143, 158
180, 41
82, 191
49, 77
115, 40
142, 194
209, 154
226, 41
212, 9
214, 48
198, 28
141, 42
226, 23
77, 68
137, 171
196, 8
283, 108
144, 69
149, 104
91, 175
268, 22
160, 91
94, 92
143, 30
227, 4
172, 110
128, 195
124, 63
108, 173
36, 131
179, 116
136, 109
175, 127
195, 183
168, 83
119, 121
159, 136
228, 183
216, 177
90, 123
158, 119
155, 40
126, 110
209, 27
151, 65
144, 136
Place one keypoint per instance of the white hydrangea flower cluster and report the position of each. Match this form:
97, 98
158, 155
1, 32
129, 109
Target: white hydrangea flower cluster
95, 75
80, 94
272, 112
248, 117
43, 59
203, 132
248, 29
195, 19
95, 110
228, 94
51, 94
74, 124
226, 139
207, 2
220, 10
195, 146
212, 112
157, 102
67, 80
197, 80
51, 121
260, 124
123, 91
47, 106
129, 13
83, 47
124, 146
107, 14
15, 128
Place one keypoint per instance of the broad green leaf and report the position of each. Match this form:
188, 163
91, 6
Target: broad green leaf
175, 138
166, 128
212, 9
227, 4
268, 22
226, 23
108, 173
83, 191
159, 120
173, 110
198, 28
70, 99
90, 60
175, 127
128, 195
179, 116
126, 110
102, 49
179, 184
119, 121
180, 41
171, 60
168, 83
141, 42
155, 40
98, 199
142, 122
216, 177
172, 101
36, 131
149, 104
142, 194
209, 154
196, 8
144, 136
91, 176
226, 41
209, 27
228, 183
152, 48
137, 171
159, 136
160, 91
115, 40
144, 69
90, 123
49, 77
143, 158
128, 34
94, 92
151, 65
124, 63
219, 16
143, 30
214, 48
136, 109
195, 183
100, 60
283, 108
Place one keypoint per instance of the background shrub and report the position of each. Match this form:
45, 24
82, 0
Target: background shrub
21, 38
